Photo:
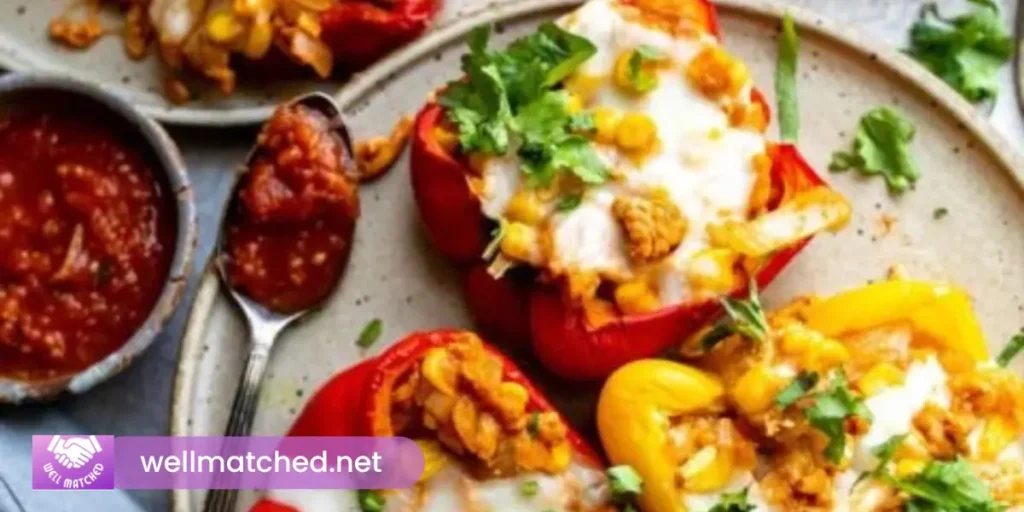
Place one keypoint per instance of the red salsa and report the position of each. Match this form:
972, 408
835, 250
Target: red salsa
86, 237
290, 226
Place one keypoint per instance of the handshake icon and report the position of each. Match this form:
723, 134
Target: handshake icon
74, 451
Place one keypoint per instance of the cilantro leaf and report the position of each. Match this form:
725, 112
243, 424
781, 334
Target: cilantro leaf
568, 203
785, 81
625, 484
797, 388
734, 502
746, 316
884, 453
582, 123
829, 413
529, 488
642, 79
1012, 348
715, 335
882, 147
965, 51
940, 212
946, 486
484, 105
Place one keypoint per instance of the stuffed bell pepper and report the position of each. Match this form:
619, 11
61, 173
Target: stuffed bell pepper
490, 440
606, 180
881, 398
215, 38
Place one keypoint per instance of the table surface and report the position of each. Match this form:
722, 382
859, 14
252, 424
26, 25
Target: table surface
137, 401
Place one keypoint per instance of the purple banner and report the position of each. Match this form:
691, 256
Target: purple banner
89, 462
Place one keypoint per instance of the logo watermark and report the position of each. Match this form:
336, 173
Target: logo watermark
88, 462
72, 462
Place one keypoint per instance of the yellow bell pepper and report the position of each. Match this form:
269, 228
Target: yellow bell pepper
633, 416
937, 313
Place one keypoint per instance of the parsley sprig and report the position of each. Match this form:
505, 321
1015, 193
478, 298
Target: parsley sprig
829, 412
965, 51
881, 147
507, 100
743, 316
626, 486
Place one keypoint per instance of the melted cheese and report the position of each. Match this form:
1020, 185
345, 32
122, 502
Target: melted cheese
451, 490
703, 163
894, 408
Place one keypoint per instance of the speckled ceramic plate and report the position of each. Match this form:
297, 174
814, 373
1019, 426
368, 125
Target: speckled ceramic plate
25, 46
394, 275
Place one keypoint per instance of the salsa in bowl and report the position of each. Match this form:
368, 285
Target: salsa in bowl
97, 229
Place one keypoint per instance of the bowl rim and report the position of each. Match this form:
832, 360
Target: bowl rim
171, 165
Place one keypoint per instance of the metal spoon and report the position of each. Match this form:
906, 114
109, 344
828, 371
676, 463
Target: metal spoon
264, 324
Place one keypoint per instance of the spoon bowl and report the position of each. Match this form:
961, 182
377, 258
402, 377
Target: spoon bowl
264, 323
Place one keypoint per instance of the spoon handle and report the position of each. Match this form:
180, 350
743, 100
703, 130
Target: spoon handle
243, 410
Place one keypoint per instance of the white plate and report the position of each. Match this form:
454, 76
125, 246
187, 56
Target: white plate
25, 46
395, 276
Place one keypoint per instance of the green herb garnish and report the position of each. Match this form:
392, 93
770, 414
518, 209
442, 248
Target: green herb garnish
746, 317
882, 147
569, 202
509, 95
884, 453
370, 333
370, 500
797, 388
829, 412
626, 484
733, 502
1010, 351
785, 81
940, 212
965, 51
642, 79
533, 424
583, 123
946, 486
529, 488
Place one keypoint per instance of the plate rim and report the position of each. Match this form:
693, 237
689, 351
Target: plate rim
363, 84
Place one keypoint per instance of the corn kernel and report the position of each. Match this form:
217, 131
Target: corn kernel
996, 435
260, 36
573, 104
716, 73
434, 458
756, 389
636, 297
606, 121
584, 86
712, 270
824, 355
796, 339
909, 467
307, 22
525, 207
440, 371
879, 377
521, 242
446, 138
636, 132
708, 470
222, 27
561, 456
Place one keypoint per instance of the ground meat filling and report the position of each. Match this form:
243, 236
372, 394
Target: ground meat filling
290, 227
458, 395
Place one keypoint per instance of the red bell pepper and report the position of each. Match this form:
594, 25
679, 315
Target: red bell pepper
515, 308
360, 32
357, 401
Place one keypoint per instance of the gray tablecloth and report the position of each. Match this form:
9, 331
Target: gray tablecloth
136, 402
